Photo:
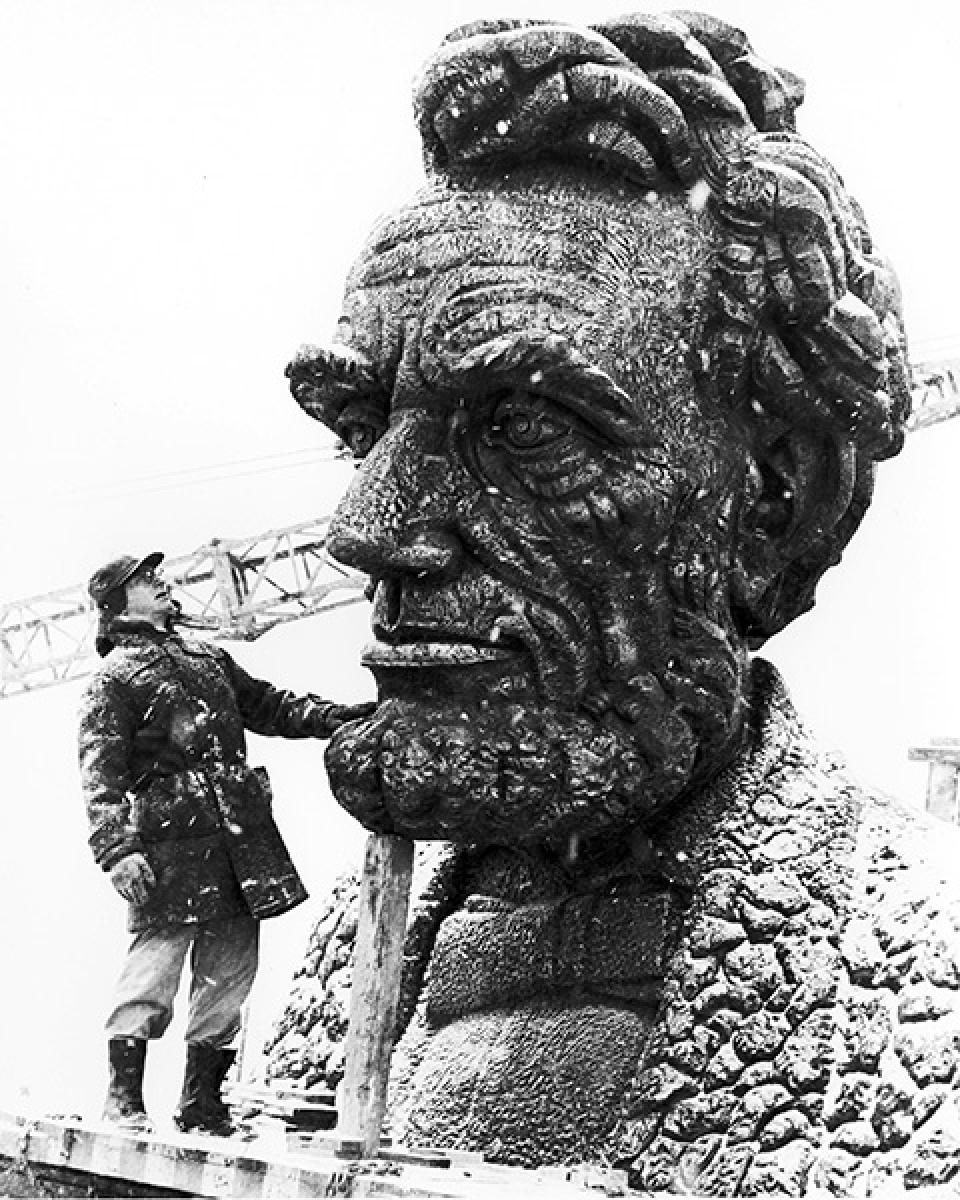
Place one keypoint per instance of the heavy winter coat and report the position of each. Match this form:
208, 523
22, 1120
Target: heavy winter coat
164, 773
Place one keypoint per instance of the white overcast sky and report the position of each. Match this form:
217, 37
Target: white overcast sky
184, 184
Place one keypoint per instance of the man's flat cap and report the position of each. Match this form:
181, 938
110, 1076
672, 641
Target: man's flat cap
118, 572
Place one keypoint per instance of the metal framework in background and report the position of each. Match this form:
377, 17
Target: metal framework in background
936, 393
232, 588
240, 588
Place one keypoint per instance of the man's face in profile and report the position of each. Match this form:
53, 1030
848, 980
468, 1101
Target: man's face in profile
547, 519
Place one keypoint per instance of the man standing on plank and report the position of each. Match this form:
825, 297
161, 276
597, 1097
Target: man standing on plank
184, 828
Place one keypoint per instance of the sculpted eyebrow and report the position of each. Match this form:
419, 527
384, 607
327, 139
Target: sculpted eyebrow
550, 366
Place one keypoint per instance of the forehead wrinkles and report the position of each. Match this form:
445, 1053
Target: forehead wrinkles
501, 226
610, 270
470, 265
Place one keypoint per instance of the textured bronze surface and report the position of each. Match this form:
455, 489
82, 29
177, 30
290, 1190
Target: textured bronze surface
619, 377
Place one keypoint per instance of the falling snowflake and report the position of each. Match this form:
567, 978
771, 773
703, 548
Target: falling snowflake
698, 195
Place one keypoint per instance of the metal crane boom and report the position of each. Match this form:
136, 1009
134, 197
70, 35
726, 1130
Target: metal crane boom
233, 588
935, 393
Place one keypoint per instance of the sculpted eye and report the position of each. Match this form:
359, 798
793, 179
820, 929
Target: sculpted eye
524, 422
528, 445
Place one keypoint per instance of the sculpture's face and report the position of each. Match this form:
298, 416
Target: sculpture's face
547, 518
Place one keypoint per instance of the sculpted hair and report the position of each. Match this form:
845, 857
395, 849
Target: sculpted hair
805, 348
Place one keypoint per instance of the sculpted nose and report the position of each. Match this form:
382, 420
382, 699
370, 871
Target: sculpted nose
379, 553
395, 516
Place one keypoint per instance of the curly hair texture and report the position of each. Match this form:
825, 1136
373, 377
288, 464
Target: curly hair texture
805, 349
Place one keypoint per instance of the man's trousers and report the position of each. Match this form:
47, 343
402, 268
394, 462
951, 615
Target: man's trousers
223, 965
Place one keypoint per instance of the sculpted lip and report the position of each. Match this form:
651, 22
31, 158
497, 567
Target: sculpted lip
432, 654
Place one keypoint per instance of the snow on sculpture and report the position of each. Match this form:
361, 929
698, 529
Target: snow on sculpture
619, 376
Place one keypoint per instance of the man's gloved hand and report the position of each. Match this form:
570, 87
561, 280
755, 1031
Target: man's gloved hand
133, 878
339, 714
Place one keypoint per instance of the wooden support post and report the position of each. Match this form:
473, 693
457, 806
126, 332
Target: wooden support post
384, 897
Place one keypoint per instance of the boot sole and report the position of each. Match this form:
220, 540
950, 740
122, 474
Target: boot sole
130, 1124
207, 1130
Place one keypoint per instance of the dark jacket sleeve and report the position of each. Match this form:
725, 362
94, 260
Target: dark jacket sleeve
274, 712
105, 745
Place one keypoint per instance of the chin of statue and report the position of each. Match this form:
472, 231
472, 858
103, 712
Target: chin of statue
481, 758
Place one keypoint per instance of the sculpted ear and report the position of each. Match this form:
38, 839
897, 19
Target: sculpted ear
807, 492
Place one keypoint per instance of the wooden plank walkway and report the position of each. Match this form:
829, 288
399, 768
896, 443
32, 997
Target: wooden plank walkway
278, 1164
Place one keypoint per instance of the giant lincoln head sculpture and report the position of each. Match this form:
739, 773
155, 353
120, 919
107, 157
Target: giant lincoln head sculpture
619, 375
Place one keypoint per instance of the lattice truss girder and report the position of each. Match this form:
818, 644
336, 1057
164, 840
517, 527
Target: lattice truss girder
936, 393
232, 588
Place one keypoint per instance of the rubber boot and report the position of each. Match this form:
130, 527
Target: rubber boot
124, 1103
201, 1109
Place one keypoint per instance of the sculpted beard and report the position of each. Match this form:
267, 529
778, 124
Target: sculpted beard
500, 752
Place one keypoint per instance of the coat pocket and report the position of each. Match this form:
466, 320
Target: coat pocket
268, 879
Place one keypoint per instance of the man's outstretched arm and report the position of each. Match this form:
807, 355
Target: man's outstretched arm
277, 712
